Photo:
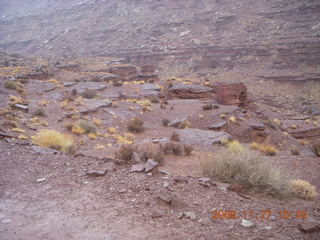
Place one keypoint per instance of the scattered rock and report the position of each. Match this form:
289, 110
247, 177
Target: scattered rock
165, 197
191, 91
96, 173
218, 125
137, 167
204, 182
41, 150
6, 221
150, 165
246, 223
177, 122
191, 215
39, 180
310, 226
92, 105
21, 107
236, 188
257, 126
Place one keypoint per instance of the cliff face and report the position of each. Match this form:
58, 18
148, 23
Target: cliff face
202, 37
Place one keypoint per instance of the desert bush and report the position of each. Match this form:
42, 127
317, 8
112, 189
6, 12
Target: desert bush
187, 149
40, 112
294, 151
235, 146
87, 126
89, 93
184, 124
303, 189
207, 107
247, 167
13, 86
150, 151
54, 140
175, 148
315, 147
175, 137
165, 122
154, 99
125, 152
266, 149
135, 125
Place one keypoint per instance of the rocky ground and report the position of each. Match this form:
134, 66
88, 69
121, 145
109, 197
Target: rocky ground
90, 193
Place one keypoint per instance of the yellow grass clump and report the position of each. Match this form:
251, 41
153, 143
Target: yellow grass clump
266, 149
53, 139
92, 136
112, 130
303, 189
19, 130
77, 130
232, 119
97, 121
235, 146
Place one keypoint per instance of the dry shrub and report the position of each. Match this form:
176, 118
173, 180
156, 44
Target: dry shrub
13, 86
89, 93
315, 147
165, 122
303, 189
235, 146
125, 152
54, 140
207, 107
187, 149
175, 148
150, 151
248, 168
184, 124
40, 112
154, 99
175, 137
294, 151
266, 149
135, 125
87, 126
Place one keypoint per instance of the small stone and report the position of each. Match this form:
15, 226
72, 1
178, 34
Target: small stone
150, 165
246, 223
165, 197
39, 180
191, 215
137, 168
310, 226
268, 227
156, 215
204, 182
95, 173
123, 190
21, 107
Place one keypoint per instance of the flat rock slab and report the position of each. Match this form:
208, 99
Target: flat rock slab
218, 125
191, 91
150, 86
92, 105
204, 138
82, 86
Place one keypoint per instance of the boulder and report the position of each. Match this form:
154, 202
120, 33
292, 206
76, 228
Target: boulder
191, 91
124, 71
231, 94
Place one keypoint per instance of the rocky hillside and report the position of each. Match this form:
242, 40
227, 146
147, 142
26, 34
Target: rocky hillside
262, 39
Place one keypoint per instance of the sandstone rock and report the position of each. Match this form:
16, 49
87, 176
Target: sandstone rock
21, 107
204, 182
246, 223
257, 126
124, 70
135, 158
83, 86
148, 69
231, 94
310, 226
204, 137
92, 105
165, 197
176, 123
96, 173
191, 215
190, 91
150, 86
150, 165
218, 125
137, 167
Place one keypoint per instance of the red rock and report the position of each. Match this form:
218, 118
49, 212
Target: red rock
309, 226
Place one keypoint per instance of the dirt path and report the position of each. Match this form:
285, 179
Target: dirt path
122, 205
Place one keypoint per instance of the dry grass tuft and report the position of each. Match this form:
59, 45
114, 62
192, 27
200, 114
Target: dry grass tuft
40, 112
135, 125
54, 140
315, 147
87, 126
266, 149
89, 93
13, 86
184, 124
248, 168
125, 152
235, 146
175, 137
303, 189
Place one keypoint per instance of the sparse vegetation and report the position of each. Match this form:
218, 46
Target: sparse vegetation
247, 167
184, 124
13, 86
175, 137
135, 125
303, 189
266, 149
125, 152
54, 140
40, 112
315, 147
165, 122
89, 93
294, 151
150, 151
154, 99
207, 107
87, 126
187, 149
